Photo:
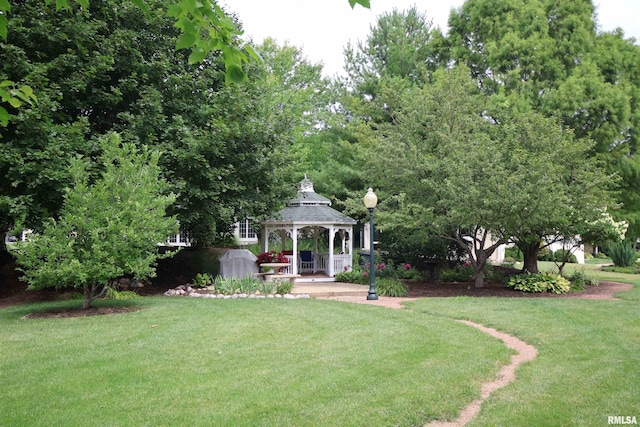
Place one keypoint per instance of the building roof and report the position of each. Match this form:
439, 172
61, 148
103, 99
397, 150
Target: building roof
309, 207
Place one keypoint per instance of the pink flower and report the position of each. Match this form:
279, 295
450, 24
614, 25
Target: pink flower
381, 266
407, 266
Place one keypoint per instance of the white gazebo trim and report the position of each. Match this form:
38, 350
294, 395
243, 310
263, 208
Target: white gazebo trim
312, 211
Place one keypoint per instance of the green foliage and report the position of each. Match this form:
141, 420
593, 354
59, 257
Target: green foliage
579, 279
108, 228
15, 96
114, 294
284, 287
514, 252
540, 282
203, 280
238, 285
224, 286
356, 276
116, 69
623, 254
561, 254
508, 261
459, 273
545, 254
633, 269
266, 288
391, 287
247, 285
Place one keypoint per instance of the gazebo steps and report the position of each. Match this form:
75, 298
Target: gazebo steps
329, 289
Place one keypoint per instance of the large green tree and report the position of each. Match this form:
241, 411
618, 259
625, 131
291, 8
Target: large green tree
204, 27
107, 228
550, 54
452, 166
115, 68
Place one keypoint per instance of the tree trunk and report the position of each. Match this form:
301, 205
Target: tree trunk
530, 252
89, 296
479, 279
479, 264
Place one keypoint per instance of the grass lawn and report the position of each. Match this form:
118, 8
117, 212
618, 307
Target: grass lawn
194, 362
588, 364
185, 361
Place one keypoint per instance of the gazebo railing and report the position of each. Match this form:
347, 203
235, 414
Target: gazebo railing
341, 263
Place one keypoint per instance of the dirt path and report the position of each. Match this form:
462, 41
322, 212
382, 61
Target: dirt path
524, 352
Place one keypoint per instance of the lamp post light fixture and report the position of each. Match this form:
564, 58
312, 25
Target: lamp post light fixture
370, 202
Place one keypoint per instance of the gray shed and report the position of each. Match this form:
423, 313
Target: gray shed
238, 263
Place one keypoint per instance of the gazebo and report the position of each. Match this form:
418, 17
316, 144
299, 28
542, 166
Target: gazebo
312, 214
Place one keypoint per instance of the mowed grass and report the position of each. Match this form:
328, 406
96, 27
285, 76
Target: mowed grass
194, 362
588, 364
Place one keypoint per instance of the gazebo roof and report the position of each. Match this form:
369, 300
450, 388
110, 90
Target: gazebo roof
308, 207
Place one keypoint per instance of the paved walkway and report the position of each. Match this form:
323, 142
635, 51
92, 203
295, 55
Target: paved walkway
330, 289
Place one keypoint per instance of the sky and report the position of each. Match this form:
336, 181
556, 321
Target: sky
322, 28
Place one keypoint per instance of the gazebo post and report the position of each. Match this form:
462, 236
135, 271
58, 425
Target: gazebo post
331, 237
294, 261
265, 239
351, 248
313, 211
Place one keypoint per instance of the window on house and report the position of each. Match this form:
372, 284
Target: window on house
245, 229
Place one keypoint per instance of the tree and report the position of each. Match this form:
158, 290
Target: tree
402, 45
204, 25
453, 165
116, 69
560, 186
107, 228
601, 230
549, 53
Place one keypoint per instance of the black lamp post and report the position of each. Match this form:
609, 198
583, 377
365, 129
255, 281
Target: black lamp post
370, 201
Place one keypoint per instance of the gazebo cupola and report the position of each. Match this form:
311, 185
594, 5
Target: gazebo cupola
310, 213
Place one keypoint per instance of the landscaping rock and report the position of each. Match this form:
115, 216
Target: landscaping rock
185, 290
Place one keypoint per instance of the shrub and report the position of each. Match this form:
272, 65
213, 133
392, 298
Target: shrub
579, 279
233, 285
545, 255
283, 288
460, 273
508, 261
356, 275
247, 285
120, 295
266, 288
540, 282
623, 254
389, 287
203, 280
224, 286
514, 252
626, 270
560, 254
407, 272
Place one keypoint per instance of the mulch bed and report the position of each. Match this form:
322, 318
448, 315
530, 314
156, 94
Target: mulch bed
14, 292
495, 289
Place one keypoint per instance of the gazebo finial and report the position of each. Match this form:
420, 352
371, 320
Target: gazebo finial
306, 185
